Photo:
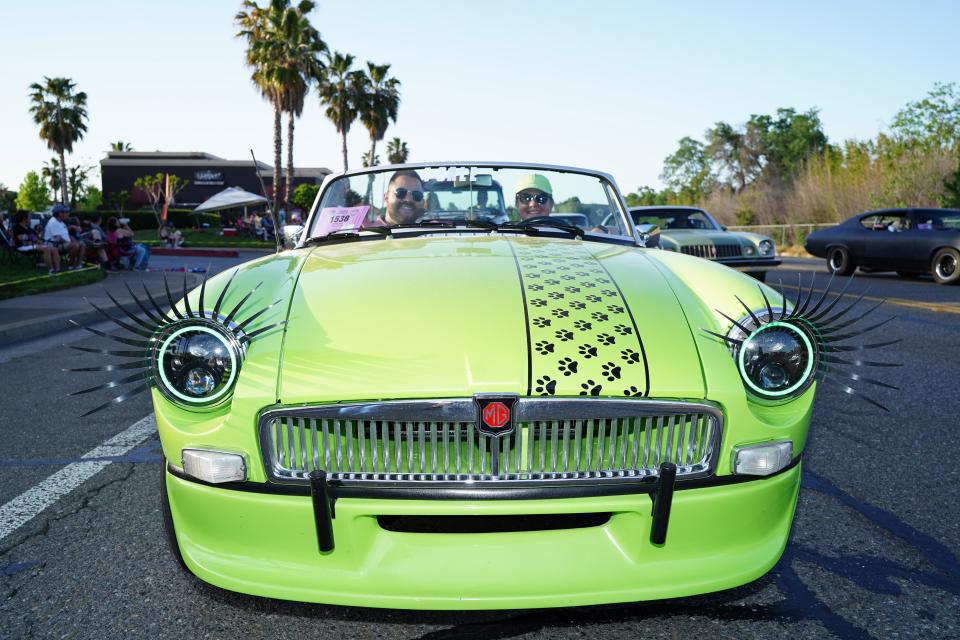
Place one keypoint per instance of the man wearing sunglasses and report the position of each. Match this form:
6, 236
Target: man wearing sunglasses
534, 196
403, 199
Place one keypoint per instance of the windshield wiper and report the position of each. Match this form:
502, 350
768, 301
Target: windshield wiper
345, 234
447, 224
531, 224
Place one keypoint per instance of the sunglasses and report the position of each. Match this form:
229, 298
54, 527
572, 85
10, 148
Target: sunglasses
540, 198
401, 193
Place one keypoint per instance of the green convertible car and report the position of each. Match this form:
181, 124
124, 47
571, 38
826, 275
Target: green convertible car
416, 409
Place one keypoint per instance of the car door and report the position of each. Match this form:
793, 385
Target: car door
887, 236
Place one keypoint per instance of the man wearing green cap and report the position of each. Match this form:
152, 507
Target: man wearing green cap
534, 196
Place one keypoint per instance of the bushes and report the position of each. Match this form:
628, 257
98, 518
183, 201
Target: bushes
142, 220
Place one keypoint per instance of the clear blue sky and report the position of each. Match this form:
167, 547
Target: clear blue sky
606, 85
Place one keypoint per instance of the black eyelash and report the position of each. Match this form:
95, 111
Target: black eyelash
816, 321
146, 331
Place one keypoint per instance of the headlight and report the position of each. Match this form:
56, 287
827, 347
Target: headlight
196, 363
767, 248
777, 361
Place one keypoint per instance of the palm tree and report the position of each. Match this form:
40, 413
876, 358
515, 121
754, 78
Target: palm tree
381, 100
51, 173
61, 113
120, 145
397, 151
255, 26
342, 91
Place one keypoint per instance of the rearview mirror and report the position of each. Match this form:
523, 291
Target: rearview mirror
291, 235
648, 235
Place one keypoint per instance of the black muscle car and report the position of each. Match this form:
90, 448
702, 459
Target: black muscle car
911, 242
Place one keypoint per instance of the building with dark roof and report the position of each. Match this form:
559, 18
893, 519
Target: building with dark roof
207, 174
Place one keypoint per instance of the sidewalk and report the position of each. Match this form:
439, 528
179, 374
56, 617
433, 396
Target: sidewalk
39, 315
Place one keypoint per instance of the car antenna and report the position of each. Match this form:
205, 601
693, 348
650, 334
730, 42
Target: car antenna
263, 191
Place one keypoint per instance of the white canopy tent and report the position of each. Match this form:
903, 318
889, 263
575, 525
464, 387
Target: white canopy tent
230, 198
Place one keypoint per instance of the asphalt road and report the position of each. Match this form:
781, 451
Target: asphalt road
874, 553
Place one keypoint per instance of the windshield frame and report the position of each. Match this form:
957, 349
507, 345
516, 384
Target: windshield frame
631, 238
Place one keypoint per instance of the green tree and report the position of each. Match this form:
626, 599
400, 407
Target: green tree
61, 113
33, 194
933, 121
77, 183
120, 145
52, 174
159, 190
397, 151
8, 199
950, 199
342, 93
688, 170
381, 100
92, 200
305, 194
367, 161
117, 200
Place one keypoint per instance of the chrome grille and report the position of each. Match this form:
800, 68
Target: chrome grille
432, 442
713, 251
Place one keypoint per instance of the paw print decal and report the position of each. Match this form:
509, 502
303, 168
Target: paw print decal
632, 391
538, 302
546, 386
567, 367
582, 325
606, 338
587, 284
560, 313
541, 322
611, 371
599, 317
590, 388
552, 281
630, 356
572, 289
576, 304
588, 351
623, 329
594, 299
564, 335
535, 287
556, 295
613, 308
610, 293
569, 277
548, 271
583, 274
543, 347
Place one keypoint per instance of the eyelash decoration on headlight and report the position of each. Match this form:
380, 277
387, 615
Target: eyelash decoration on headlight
158, 330
825, 327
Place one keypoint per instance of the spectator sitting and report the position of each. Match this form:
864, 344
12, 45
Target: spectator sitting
170, 235
95, 240
25, 241
121, 246
57, 234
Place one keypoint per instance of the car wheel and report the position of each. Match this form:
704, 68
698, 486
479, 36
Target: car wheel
839, 262
168, 528
945, 266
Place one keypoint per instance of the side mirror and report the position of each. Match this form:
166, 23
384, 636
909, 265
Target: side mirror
723, 227
291, 235
648, 235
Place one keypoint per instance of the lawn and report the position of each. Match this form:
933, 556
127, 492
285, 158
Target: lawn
22, 279
193, 239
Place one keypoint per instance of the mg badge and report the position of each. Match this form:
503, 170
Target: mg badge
495, 415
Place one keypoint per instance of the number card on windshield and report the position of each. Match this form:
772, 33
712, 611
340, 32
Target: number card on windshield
337, 218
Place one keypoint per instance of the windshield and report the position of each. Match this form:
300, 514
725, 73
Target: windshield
675, 218
473, 196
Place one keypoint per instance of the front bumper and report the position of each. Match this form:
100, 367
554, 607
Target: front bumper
266, 544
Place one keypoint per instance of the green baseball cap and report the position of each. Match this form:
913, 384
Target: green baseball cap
535, 181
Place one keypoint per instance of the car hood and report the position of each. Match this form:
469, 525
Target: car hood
454, 316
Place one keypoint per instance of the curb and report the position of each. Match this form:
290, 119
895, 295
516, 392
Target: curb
34, 328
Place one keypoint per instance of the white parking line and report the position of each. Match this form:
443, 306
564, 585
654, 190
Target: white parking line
34, 500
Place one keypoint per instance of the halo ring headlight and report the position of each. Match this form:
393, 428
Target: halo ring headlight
196, 362
777, 361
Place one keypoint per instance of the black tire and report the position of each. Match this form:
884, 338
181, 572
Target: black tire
945, 266
170, 533
839, 261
